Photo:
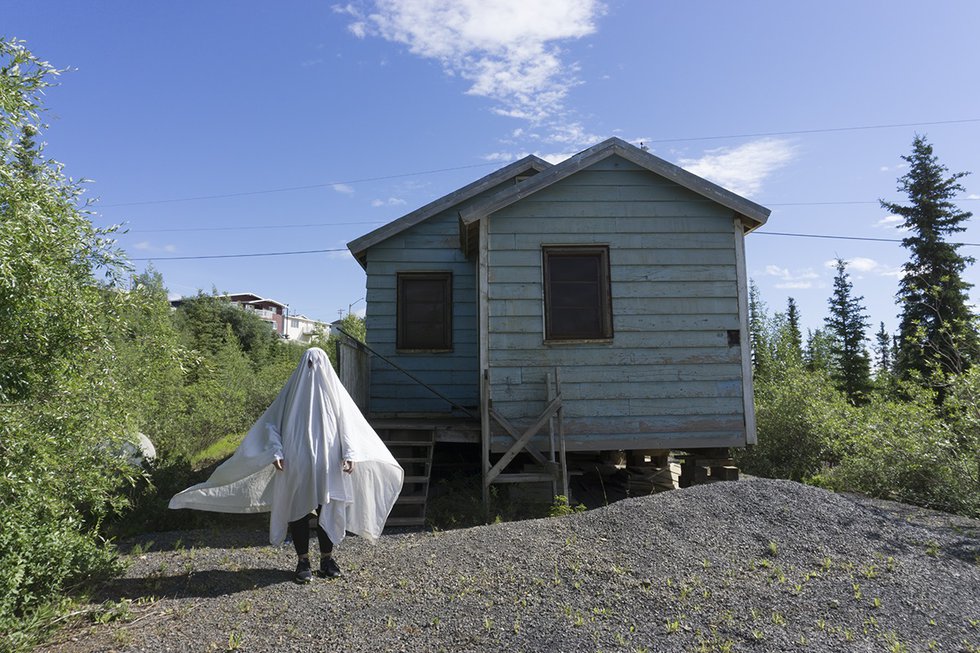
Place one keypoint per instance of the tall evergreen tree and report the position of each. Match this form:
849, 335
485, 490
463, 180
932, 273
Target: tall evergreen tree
847, 325
817, 355
757, 330
793, 327
883, 351
936, 331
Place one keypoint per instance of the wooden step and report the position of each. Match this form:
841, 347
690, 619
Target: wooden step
417, 479
405, 521
524, 477
411, 498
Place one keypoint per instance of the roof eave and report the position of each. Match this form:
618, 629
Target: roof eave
359, 246
752, 214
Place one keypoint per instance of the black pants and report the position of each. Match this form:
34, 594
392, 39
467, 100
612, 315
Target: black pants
300, 530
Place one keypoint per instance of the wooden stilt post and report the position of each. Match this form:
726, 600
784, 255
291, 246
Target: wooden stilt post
485, 441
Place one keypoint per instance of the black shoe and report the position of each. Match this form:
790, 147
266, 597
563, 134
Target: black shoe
329, 568
303, 573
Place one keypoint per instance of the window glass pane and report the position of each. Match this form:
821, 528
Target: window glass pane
424, 311
577, 293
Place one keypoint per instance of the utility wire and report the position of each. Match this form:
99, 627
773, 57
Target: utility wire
254, 227
294, 188
195, 258
309, 225
493, 163
816, 131
342, 249
831, 237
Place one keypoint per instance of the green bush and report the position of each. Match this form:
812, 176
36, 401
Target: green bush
801, 420
62, 417
903, 451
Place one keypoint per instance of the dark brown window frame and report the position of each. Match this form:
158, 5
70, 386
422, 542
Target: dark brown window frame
604, 305
401, 314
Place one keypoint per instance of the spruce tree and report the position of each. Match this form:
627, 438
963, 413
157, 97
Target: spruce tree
793, 327
883, 351
936, 333
847, 324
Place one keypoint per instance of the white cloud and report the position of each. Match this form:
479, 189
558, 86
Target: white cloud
508, 50
742, 169
890, 221
147, 246
790, 279
973, 196
862, 265
391, 201
343, 188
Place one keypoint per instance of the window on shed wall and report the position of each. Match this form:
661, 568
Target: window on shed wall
425, 311
576, 293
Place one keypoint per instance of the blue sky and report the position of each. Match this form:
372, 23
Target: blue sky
341, 117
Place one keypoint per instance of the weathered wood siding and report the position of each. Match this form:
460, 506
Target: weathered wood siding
669, 378
433, 245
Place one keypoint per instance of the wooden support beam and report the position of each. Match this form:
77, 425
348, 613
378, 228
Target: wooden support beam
511, 453
512, 432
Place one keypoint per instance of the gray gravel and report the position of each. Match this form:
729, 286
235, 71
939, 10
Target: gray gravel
749, 566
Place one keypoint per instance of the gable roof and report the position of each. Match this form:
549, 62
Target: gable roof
529, 163
753, 215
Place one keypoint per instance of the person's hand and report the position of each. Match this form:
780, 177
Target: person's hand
348, 466
279, 463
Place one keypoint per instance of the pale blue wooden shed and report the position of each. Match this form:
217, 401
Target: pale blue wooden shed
596, 304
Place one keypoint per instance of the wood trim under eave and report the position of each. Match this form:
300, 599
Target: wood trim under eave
742, 282
483, 293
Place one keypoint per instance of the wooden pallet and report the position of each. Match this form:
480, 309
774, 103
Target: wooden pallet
709, 466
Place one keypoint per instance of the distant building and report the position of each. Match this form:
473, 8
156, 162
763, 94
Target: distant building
269, 310
301, 328
292, 327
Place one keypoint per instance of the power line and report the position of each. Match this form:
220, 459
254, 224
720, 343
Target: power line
254, 227
816, 131
831, 237
343, 249
287, 189
295, 188
309, 225
195, 258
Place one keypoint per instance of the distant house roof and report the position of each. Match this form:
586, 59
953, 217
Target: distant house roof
251, 298
752, 215
529, 164
239, 298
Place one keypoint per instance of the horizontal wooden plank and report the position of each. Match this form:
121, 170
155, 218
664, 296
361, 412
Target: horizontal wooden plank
531, 273
597, 355
382, 254
640, 441
530, 342
647, 224
461, 310
443, 376
464, 281
606, 398
602, 210
591, 375
516, 273
675, 273
647, 257
675, 322
616, 241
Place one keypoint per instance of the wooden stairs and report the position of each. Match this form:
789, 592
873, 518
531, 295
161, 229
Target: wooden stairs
412, 448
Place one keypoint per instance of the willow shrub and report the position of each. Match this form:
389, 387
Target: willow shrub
802, 421
62, 423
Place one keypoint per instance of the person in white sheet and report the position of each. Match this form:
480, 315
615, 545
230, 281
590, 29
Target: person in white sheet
312, 451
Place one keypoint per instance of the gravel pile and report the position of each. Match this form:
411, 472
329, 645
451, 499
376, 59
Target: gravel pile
749, 566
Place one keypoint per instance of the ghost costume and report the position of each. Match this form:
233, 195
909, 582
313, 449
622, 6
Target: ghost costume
313, 425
